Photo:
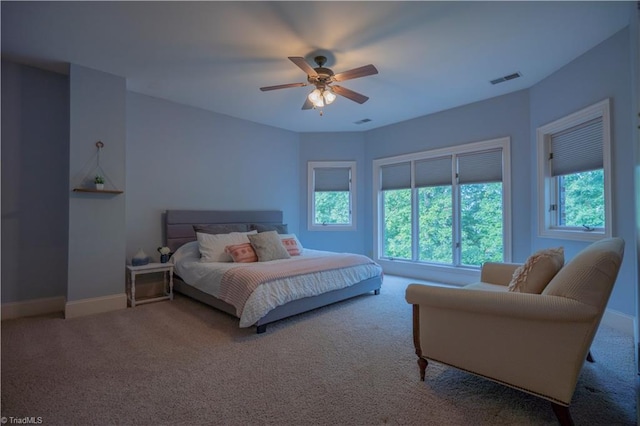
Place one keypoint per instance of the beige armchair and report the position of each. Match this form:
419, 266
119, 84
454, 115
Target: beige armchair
536, 343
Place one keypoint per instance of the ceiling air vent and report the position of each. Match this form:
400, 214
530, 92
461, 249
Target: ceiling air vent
506, 78
364, 120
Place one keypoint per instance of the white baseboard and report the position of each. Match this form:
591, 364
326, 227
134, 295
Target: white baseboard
29, 308
95, 305
621, 322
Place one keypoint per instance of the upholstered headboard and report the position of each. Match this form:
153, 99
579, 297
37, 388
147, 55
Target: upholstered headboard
179, 223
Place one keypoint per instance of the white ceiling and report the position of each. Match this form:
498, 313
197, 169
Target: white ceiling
431, 56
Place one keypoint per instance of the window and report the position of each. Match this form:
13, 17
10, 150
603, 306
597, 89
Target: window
574, 183
331, 195
444, 208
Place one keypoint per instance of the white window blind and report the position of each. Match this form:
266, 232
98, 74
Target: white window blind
396, 176
433, 172
480, 167
332, 179
578, 149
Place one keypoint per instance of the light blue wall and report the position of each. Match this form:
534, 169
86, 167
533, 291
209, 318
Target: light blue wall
180, 157
96, 221
603, 72
35, 183
348, 146
506, 115
183, 157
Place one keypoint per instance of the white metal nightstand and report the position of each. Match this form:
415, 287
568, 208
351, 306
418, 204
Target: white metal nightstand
164, 268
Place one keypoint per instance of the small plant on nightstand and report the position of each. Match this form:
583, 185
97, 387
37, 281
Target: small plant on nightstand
164, 254
99, 181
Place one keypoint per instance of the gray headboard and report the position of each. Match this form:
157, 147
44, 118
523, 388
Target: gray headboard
179, 223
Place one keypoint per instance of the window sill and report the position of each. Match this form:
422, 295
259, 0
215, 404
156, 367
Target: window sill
332, 228
562, 234
430, 272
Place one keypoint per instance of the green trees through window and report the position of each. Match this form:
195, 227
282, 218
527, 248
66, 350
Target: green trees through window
332, 207
480, 224
448, 207
581, 201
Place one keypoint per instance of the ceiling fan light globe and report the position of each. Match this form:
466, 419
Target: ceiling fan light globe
315, 96
328, 96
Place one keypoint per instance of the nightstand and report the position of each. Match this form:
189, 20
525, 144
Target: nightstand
150, 268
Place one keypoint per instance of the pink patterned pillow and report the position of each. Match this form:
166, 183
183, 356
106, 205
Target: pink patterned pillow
291, 245
242, 253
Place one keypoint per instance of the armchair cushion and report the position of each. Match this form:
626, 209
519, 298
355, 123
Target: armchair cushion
534, 275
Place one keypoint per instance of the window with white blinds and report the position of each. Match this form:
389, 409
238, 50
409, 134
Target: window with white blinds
396, 176
472, 167
433, 172
480, 167
574, 175
429, 202
578, 149
332, 178
331, 194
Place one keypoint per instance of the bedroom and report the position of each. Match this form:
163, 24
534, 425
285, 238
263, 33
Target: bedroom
165, 154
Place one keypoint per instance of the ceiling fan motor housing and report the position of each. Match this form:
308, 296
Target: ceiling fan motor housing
324, 75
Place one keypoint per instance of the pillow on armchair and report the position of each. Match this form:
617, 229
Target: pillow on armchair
534, 275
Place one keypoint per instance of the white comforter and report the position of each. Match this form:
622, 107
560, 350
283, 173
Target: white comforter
206, 277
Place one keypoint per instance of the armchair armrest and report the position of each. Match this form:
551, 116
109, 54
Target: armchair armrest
498, 273
534, 307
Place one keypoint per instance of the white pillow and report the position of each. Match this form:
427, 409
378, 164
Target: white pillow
212, 246
186, 251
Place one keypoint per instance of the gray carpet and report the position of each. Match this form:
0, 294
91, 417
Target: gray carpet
352, 363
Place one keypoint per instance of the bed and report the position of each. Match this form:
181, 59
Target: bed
340, 276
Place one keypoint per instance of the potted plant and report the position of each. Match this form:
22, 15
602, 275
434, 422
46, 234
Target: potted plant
99, 181
165, 253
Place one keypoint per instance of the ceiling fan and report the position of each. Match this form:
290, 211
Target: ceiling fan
323, 78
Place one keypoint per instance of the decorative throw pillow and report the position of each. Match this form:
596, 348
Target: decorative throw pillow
295, 237
280, 228
242, 253
268, 246
212, 246
534, 275
291, 244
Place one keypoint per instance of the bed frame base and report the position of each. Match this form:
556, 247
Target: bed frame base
288, 309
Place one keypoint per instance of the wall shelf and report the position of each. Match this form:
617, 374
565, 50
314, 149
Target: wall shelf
85, 180
97, 191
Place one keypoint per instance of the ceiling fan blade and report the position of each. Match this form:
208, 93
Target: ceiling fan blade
282, 86
307, 104
303, 65
350, 94
356, 73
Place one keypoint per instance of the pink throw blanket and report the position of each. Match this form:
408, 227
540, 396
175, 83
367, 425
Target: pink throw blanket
238, 283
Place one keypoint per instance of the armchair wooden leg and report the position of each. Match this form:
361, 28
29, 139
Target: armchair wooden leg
563, 414
422, 364
590, 357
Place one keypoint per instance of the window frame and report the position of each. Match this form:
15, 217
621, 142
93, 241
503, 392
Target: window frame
461, 274
547, 185
311, 168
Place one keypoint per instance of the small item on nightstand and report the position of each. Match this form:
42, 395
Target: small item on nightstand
165, 253
140, 258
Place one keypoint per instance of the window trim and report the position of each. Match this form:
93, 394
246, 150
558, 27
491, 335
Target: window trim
546, 184
446, 273
311, 167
